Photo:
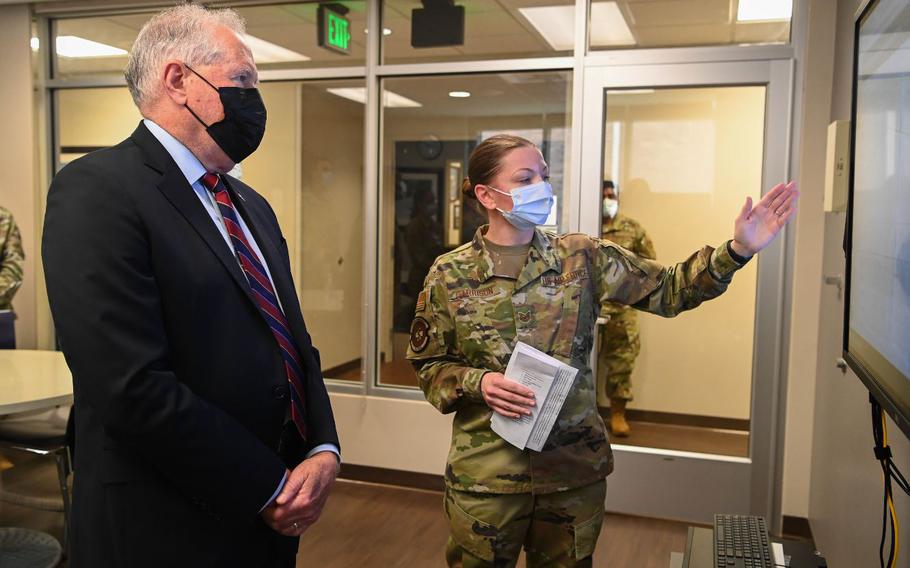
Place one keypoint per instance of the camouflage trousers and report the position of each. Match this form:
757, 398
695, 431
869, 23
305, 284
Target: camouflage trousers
555, 529
616, 354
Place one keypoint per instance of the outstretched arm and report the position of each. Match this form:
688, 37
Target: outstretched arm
629, 279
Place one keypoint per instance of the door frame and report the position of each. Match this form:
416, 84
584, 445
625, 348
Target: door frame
710, 483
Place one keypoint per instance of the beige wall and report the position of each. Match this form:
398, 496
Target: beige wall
330, 249
18, 159
688, 158
807, 232
96, 117
273, 169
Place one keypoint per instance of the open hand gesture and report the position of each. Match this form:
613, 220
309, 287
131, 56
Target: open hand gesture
757, 226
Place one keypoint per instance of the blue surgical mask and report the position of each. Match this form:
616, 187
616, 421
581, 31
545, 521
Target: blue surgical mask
531, 205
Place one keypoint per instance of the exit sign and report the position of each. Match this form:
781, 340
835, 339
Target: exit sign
334, 28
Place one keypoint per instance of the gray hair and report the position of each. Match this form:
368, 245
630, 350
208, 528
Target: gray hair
182, 32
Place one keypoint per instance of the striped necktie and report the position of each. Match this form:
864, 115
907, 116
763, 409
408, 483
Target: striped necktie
265, 297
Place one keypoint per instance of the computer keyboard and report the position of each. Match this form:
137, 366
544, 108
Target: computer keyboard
741, 541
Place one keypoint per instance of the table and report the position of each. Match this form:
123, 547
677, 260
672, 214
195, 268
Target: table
32, 380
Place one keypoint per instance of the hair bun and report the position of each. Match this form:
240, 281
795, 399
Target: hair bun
467, 188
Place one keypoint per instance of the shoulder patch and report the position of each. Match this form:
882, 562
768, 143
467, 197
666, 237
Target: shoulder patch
420, 334
422, 301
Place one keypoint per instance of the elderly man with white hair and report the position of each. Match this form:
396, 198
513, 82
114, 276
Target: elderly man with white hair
204, 435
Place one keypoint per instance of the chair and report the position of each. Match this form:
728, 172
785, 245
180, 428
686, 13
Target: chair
44, 433
23, 548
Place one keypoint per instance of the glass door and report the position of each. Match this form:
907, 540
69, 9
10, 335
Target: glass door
680, 147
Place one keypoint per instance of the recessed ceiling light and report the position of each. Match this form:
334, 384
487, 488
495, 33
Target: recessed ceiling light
75, 46
557, 25
459, 94
609, 26
764, 10
35, 43
385, 31
268, 52
389, 99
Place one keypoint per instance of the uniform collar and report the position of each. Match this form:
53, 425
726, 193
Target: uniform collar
613, 223
541, 258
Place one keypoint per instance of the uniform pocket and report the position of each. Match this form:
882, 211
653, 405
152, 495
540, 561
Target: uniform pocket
574, 338
471, 534
586, 534
478, 325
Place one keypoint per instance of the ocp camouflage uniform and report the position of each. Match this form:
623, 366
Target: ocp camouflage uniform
11, 258
619, 339
466, 325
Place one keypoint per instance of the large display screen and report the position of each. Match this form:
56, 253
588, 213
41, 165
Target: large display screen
877, 330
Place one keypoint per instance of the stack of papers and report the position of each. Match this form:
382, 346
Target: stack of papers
550, 379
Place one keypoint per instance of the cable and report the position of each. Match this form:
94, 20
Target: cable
890, 472
889, 499
877, 436
895, 525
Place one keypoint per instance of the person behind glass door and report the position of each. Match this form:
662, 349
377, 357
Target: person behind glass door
515, 282
205, 434
619, 342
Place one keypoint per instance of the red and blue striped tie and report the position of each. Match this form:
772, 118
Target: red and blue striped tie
265, 297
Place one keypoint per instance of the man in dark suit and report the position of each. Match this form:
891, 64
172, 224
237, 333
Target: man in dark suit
204, 432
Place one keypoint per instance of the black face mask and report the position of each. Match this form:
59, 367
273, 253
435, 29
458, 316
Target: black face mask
243, 126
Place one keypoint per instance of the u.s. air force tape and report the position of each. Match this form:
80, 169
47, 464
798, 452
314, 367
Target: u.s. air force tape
420, 334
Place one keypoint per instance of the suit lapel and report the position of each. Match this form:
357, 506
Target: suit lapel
178, 191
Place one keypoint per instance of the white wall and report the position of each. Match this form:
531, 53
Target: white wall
807, 231
845, 506
408, 435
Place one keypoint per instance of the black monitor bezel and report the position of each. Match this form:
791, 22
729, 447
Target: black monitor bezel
879, 389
